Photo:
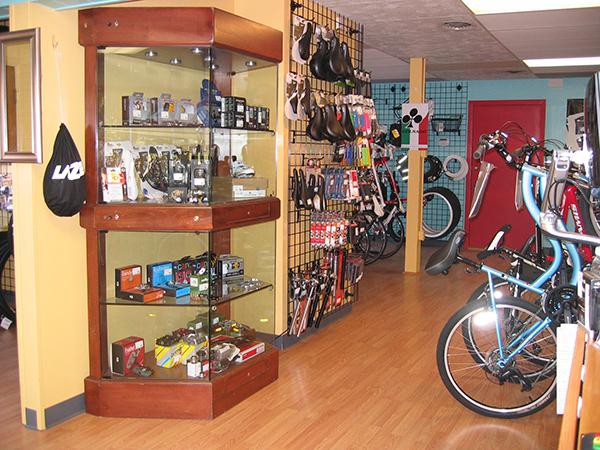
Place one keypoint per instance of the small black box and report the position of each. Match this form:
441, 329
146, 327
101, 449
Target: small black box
231, 120
236, 105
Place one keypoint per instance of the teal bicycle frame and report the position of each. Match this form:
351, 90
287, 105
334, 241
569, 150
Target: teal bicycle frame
506, 354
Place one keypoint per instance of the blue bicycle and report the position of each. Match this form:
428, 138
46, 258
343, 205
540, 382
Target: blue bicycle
497, 355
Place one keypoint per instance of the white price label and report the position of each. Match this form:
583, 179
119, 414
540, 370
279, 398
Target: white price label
178, 176
183, 116
199, 182
139, 344
164, 114
6, 323
137, 113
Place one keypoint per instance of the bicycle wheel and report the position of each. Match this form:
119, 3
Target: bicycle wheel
395, 236
441, 212
372, 242
527, 383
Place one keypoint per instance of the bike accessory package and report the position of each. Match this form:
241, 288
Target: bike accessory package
128, 285
230, 267
64, 178
160, 275
127, 354
434, 169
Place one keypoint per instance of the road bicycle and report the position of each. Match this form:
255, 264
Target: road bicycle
497, 355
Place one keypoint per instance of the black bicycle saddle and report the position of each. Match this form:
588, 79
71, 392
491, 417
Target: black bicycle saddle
304, 41
444, 257
349, 72
333, 129
319, 63
337, 61
316, 125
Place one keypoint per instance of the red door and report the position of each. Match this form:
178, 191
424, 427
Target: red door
498, 207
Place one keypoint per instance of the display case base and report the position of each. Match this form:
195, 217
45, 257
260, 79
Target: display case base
181, 399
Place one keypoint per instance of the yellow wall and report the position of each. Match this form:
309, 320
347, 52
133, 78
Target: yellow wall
50, 251
50, 264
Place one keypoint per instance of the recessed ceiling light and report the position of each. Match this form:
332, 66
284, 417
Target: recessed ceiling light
457, 26
214, 66
197, 51
175, 61
250, 63
208, 58
563, 62
151, 53
508, 6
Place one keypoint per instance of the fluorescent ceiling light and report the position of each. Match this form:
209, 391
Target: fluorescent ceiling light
562, 62
508, 6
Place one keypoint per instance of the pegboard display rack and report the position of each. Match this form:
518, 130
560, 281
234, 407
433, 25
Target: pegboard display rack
301, 256
8, 274
450, 100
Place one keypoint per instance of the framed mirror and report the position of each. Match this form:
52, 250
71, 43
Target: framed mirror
20, 98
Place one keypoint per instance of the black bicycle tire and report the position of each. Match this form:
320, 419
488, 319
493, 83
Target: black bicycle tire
394, 239
454, 211
547, 396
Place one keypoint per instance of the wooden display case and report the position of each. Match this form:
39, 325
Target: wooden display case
196, 55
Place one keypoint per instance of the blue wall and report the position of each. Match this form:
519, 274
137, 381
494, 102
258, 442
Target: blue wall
535, 89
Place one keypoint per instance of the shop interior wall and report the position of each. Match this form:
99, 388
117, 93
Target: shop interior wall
50, 251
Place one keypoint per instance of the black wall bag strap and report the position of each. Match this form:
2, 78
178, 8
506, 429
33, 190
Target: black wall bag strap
64, 179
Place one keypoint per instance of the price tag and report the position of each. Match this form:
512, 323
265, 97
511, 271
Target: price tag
183, 116
164, 114
5, 323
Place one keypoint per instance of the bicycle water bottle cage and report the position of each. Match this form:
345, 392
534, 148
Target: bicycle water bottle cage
445, 256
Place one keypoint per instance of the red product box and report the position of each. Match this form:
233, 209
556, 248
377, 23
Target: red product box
129, 285
249, 350
127, 354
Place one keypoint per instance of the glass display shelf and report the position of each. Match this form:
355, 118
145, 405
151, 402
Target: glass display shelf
187, 127
234, 289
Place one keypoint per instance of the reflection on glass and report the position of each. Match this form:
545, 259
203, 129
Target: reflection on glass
18, 96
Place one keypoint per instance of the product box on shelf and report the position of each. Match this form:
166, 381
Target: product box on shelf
127, 354
251, 117
129, 285
167, 355
183, 269
160, 275
232, 120
186, 112
167, 114
249, 350
200, 181
230, 267
198, 285
136, 109
262, 118
234, 105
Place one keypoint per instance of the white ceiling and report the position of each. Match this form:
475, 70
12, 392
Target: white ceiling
493, 48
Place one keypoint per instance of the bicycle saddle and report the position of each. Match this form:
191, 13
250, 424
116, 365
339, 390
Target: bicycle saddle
444, 257
333, 129
319, 63
349, 73
337, 61
301, 47
316, 125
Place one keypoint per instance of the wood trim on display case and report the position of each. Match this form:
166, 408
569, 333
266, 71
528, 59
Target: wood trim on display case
152, 217
144, 27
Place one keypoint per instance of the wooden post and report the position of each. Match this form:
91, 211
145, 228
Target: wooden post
414, 210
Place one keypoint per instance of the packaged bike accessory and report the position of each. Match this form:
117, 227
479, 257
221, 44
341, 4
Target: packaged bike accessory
127, 354
167, 114
64, 177
136, 109
129, 285
186, 112
200, 181
118, 174
160, 275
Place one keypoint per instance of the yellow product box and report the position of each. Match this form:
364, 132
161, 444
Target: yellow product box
167, 356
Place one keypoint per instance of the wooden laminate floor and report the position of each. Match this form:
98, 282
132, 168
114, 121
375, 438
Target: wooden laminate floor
367, 381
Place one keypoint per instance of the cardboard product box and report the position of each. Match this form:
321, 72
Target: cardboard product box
167, 114
251, 117
232, 120
182, 270
249, 350
168, 355
198, 285
262, 118
160, 275
127, 354
230, 267
129, 285
228, 188
235, 105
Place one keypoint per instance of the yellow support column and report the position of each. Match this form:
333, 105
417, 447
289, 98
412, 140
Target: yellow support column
414, 211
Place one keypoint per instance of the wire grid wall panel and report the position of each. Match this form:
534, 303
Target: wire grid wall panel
7, 282
451, 98
301, 256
